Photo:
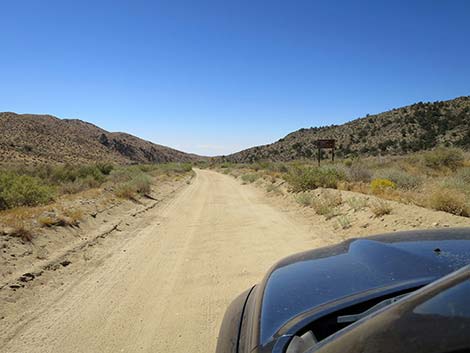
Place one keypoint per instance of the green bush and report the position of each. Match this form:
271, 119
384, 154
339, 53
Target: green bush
105, 168
138, 184
303, 178
23, 190
443, 157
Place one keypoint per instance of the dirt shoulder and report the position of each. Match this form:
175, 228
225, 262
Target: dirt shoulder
353, 214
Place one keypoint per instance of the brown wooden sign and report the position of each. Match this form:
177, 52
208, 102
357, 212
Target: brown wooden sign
326, 143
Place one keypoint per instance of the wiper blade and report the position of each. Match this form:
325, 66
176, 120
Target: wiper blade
344, 319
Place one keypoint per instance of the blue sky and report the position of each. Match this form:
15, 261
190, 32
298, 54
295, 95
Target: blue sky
214, 77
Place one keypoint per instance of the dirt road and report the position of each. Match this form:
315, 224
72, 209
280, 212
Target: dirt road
166, 290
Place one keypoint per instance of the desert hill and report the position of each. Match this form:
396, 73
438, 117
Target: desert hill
412, 128
34, 139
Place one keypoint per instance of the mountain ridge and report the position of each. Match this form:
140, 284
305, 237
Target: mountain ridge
411, 128
35, 139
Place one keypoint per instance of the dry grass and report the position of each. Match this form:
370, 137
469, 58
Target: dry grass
450, 201
23, 233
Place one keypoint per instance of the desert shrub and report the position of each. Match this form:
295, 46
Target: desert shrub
178, 168
464, 175
130, 181
359, 173
141, 184
23, 190
459, 181
249, 178
401, 178
380, 208
380, 185
326, 204
261, 165
75, 214
23, 233
357, 203
304, 199
272, 188
105, 168
226, 165
72, 187
450, 201
125, 191
308, 178
123, 174
279, 167
344, 222
443, 157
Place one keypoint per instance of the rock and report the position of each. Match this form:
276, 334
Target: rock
435, 224
27, 277
65, 263
365, 225
9, 231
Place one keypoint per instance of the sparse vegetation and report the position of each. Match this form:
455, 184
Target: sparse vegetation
33, 186
304, 199
344, 222
303, 178
400, 178
23, 233
272, 188
405, 179
326, 204
443, 157
359, 172
357, 203
249, 178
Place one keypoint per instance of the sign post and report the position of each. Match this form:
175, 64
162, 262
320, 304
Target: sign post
325, 143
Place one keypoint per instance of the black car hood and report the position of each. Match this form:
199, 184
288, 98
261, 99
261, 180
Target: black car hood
311, 279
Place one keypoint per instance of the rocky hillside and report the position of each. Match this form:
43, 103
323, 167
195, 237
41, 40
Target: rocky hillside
413, 128
34, 139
